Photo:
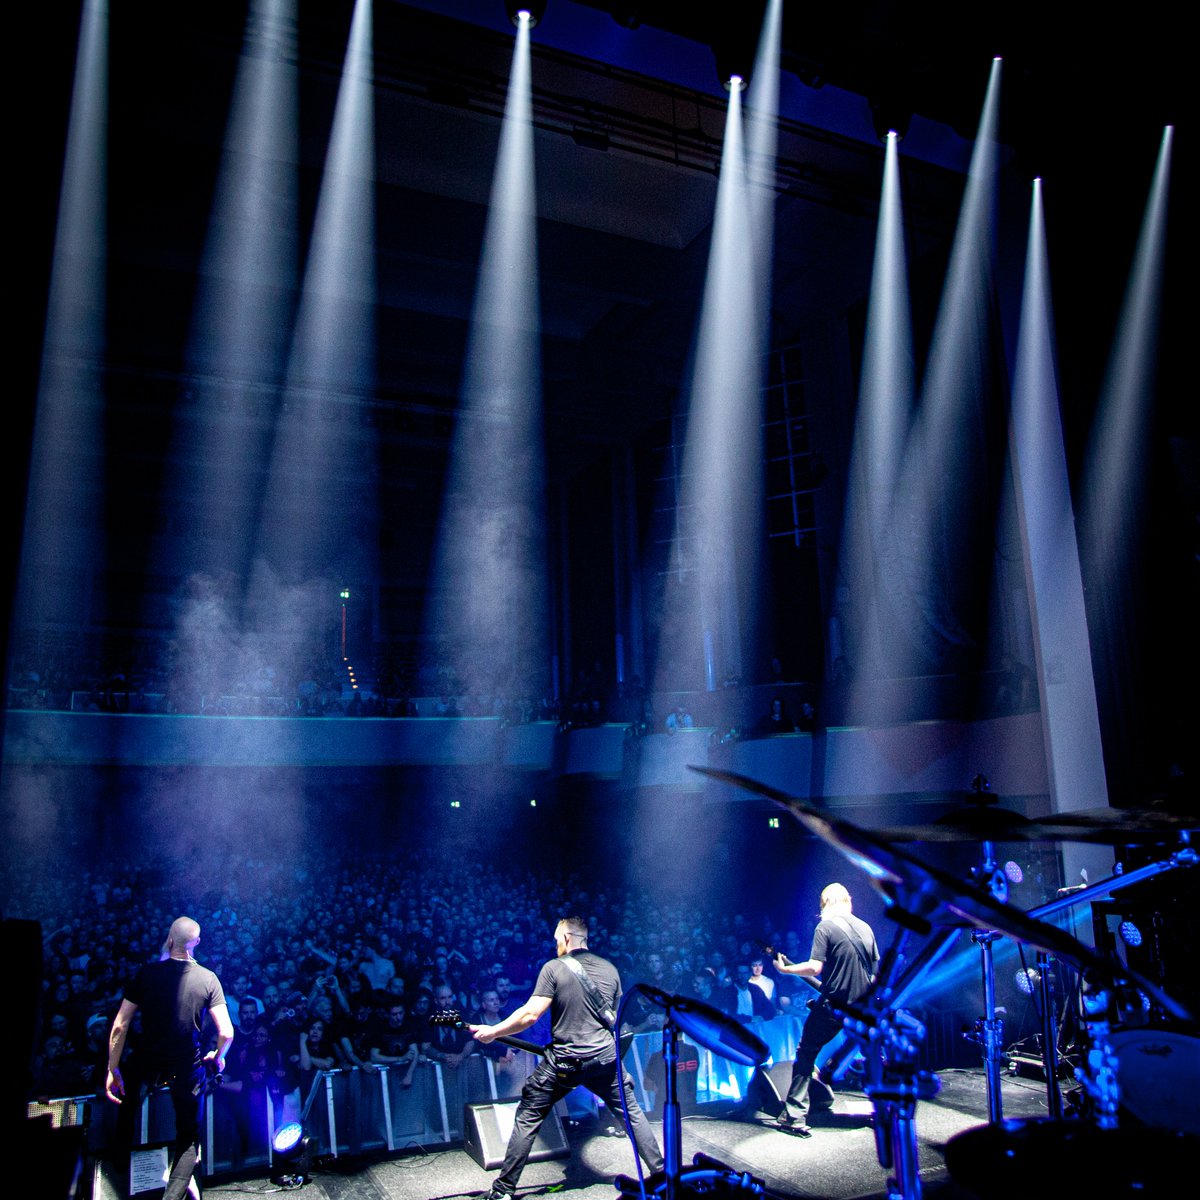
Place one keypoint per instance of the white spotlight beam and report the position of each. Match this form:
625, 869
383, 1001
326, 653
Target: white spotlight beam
68, 440
881, 428
237, 339
717, 527
488, 605
318, 513
1116, 473
1114, 481
928, 542
1054, 583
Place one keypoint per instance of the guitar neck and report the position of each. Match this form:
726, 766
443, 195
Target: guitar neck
770, 952
454, 1021
521, 1044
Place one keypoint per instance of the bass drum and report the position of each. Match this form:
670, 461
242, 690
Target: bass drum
1158, 1074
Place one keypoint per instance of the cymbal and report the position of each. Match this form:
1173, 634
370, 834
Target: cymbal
1104, 826
1124, 824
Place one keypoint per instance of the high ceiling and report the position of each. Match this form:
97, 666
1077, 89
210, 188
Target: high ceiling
629, 120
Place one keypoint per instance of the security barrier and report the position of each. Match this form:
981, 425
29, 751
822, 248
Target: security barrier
351, 1111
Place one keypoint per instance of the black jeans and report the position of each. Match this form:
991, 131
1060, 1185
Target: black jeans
820, 1028
547, 1086
188, 1087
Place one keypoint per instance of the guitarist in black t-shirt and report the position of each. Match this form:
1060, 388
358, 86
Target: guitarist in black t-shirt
581, 990
844, 958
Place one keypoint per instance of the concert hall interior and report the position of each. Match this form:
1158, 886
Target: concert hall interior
473, 463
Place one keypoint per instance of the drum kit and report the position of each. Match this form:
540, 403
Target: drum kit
1135, 1125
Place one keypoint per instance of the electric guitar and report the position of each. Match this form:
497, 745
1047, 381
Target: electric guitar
769, 953
452, 1017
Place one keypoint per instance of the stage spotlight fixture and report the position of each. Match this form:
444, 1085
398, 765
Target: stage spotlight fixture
1013, 872
734, 81
292, 1156
1027, 980
533, 10
1131, 935
890, 116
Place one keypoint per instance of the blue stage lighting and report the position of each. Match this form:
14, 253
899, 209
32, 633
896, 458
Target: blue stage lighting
287, 1136
1131, 935
1027, 980
292, 1151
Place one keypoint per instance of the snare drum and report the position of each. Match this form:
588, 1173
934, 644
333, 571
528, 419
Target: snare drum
1158, 1073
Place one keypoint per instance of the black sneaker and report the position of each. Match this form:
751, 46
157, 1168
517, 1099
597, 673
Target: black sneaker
795, 1128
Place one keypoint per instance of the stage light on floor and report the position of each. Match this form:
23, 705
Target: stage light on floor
292, 1156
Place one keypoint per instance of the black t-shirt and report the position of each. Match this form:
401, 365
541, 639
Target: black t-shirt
576, 1030
845, 978
173, 996
390, 1040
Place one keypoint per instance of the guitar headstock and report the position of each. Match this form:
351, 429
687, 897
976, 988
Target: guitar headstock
446, 1016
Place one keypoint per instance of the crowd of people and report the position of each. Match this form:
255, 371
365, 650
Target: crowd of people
343, 965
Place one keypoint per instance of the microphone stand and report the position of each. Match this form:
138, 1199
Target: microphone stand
672, 1115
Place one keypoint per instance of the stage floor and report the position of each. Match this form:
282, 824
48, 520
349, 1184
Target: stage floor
837, 1163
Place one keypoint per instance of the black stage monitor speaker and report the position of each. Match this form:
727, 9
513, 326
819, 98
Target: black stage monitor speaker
486, 1128
767, 1088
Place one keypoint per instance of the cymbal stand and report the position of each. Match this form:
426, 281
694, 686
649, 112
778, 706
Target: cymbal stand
988, 1031
890, 1039
1185, 857
672, 1118
1098, 1074
1054, 1104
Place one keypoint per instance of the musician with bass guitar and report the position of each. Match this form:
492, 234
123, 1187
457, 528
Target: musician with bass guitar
844, 957
581, 991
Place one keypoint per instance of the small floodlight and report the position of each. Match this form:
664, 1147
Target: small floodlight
292, 1156
1013, 872
529, 11
735, 82
1131, 935
1027, 980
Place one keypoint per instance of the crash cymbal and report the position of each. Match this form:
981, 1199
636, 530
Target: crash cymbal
974, 823
1105, 826
1124, 824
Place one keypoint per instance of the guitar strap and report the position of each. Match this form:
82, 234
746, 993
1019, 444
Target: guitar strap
591, 993
867, 961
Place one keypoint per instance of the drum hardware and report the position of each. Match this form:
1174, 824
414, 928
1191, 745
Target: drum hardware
890, 1040
918, 895
721, 1034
